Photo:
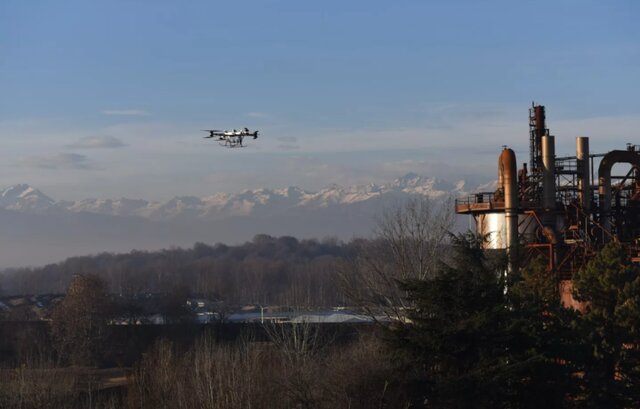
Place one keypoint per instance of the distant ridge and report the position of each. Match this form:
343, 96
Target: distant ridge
26, 199
36, 229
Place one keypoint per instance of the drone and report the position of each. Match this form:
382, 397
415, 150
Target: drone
231, 139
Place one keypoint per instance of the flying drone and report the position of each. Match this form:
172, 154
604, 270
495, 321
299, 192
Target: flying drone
230, 139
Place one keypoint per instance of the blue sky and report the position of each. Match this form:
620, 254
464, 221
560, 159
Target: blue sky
106, 98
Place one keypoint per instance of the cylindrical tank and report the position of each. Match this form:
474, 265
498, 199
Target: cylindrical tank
493, 227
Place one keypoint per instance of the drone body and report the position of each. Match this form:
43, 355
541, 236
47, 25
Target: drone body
230, 139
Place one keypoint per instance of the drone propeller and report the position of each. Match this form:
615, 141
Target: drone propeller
212, 133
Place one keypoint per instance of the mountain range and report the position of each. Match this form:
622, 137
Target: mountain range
37, 229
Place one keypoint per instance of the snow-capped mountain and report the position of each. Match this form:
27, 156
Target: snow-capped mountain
263, 202
37, 229
25, 198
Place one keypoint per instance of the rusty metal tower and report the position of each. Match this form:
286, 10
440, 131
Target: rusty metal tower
558, 209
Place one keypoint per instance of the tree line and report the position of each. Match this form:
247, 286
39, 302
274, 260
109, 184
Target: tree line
269, 270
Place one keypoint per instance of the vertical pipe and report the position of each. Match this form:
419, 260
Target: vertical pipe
548, 175
510, 186
604, 192
584, 175
541, 130
500, 175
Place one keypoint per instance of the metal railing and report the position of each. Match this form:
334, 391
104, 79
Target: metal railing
476, 198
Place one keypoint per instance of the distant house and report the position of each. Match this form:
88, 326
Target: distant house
207, 317
202, 304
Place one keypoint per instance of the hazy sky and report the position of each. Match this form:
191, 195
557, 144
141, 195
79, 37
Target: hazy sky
107, 98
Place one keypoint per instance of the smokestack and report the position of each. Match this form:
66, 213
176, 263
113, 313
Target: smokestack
507, 174
538, 128
584, 175
548, 179
540, 125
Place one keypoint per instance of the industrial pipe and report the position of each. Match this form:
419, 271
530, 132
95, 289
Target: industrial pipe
584, 175
540, 131
507, 174
549, 180
604, 181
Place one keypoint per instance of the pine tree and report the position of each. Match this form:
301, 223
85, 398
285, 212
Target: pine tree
542, 346
480, 339
610, 288
455, 332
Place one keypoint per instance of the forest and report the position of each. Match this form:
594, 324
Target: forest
459, 333
282, 270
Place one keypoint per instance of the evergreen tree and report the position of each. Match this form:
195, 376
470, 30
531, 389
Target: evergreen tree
455, 330
476, 344
543, 346
609, 287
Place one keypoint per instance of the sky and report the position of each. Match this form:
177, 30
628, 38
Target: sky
108, 99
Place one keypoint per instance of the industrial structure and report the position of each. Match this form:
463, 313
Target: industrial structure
562, 208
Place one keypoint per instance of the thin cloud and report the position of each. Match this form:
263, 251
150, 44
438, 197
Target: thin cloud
126, 112
96, 142
58, 161
289, 143
290, 139
259, 115
288, 147
465, 169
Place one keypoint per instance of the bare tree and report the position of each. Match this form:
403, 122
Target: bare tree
208, 376
37, 383
258, 375
409, 241
297, 341
79, 321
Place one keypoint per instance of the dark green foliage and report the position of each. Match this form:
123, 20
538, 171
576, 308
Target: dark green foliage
610, 288
476, 345
543, 340
456, 330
